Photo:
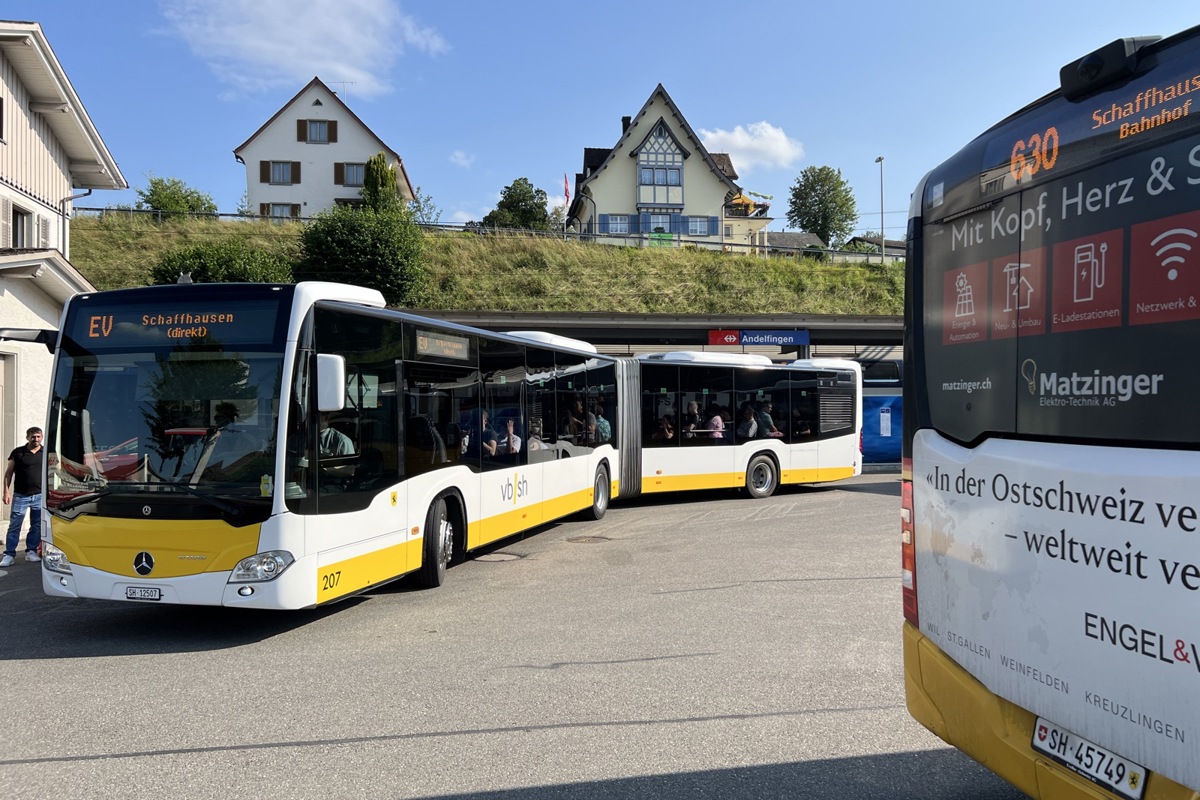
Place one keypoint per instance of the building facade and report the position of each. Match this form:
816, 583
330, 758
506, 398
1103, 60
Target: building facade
659, 187
311, 155
50, 156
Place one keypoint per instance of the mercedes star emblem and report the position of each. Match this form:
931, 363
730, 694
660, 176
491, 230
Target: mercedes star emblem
143, 563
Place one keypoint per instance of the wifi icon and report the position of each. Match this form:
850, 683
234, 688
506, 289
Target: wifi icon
1174, 249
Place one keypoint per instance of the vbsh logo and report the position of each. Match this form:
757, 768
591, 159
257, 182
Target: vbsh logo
1084, 389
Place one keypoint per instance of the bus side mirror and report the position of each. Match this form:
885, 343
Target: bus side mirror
331, 382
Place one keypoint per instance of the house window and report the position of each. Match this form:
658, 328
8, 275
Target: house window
316, 131
281, 172
649, 176
697, 226
22, 224
660, 223
354, 174
618, 223
728, 231
281, 209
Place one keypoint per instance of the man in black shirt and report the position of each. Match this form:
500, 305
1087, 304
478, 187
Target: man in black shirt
23, 489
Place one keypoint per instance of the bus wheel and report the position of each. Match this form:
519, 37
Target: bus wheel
762, 479
438, 546
600, 493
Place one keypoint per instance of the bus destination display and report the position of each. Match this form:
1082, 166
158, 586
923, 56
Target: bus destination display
97, 326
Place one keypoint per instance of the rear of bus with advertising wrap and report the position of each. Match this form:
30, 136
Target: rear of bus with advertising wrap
1050, 512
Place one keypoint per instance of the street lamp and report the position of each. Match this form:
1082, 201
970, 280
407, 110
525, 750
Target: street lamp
882, 237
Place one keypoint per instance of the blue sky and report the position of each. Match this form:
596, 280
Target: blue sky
475, 94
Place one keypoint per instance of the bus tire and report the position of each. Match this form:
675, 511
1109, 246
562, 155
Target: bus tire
438, 546
762, 477
601, 491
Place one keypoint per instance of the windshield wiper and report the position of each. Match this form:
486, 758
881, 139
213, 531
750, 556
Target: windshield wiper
80, 499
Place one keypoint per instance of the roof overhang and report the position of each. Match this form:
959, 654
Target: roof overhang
48, 270
52, 97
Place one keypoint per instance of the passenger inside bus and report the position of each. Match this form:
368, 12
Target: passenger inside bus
716, 422
509, 442
747, 427
766, 422
535, 435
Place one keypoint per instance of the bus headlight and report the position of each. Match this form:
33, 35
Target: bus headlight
261, 567
54, 559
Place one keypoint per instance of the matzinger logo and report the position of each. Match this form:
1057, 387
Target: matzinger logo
1093, 389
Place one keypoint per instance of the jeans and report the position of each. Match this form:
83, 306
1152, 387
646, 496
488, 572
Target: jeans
22, 503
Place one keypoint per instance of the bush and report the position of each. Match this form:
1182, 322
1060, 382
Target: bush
222, 261
377, 249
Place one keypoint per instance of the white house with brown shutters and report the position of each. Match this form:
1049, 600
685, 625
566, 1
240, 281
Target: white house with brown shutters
50, 156
312, 155
658, 186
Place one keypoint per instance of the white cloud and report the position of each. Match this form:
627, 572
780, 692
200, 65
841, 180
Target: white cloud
759, 144
281, 44
460, 158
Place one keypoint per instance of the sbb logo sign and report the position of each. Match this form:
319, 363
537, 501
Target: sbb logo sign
724, 337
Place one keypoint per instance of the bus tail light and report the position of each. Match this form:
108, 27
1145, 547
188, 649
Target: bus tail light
908, 550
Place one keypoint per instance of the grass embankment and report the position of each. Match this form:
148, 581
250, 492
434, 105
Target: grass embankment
466, 272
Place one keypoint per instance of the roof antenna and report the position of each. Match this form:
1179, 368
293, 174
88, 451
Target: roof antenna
344, 84
184, 277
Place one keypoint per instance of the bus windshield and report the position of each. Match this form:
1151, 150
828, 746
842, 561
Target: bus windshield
185, 396
201, 417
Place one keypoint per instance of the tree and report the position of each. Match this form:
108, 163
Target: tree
822, 203
379, 249
379, 184
520, 206
423, 209
222, 261
174, 198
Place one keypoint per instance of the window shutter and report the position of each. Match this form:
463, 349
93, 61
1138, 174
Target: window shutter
644, 223
295, 172
332, 130
264, 172
264, 209
339, 174
295, 210
714, 226
5, 222
633, 223
676, 223
604, 223
43, 232
301, 130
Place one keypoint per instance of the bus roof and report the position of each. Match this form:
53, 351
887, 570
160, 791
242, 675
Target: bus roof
554, 339
706, 357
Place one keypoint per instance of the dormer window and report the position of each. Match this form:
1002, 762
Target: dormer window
660, 169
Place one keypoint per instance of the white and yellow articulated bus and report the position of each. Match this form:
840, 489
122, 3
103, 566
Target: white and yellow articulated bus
279, 446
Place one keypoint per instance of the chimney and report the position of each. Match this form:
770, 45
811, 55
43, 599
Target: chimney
625, 124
